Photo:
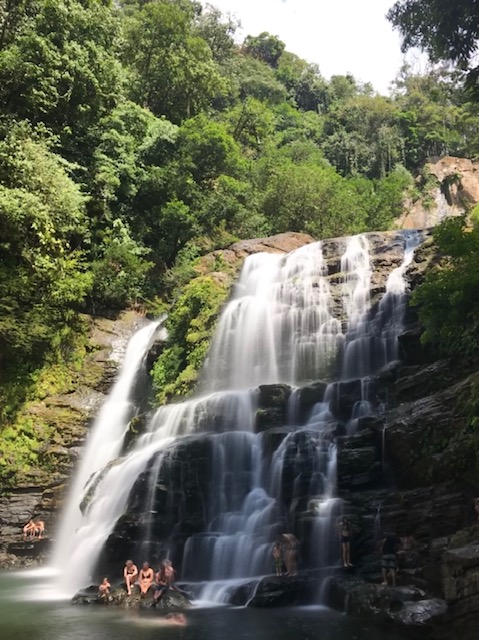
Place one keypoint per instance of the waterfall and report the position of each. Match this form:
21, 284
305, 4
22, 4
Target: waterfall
104, 441
279, 326
292, 320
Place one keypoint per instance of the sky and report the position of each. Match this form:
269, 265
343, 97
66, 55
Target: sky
341, 36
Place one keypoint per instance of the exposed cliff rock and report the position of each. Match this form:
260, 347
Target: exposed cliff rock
64, 418
454, 190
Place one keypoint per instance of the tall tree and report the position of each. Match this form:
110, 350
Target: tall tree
265, 47
446, 30
61, 68
172, 67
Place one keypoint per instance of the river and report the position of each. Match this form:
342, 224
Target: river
23, 618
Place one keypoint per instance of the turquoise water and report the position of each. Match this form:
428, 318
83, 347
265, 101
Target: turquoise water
22, 619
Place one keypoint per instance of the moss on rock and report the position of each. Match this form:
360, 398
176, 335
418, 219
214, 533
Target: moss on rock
190, 326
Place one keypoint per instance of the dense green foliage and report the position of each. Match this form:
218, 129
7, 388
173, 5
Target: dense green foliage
137, 135
189, 330
446, 30
448, 300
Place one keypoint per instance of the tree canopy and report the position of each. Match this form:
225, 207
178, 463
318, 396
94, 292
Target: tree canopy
445, 30
137, 135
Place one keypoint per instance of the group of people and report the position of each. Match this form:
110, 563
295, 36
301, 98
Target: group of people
396, 553
34, 529
146, 578
285, 555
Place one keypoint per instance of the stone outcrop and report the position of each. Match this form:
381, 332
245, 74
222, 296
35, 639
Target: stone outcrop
406, 608
38, 492
173, 600
456, 189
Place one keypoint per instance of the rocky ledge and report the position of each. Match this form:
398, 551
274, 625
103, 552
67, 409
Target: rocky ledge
407, 608
174, 600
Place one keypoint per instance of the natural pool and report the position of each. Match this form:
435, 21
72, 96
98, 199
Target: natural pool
24, 618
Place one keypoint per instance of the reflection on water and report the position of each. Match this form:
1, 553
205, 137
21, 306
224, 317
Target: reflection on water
27, 620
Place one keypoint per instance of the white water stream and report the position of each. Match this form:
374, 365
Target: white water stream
282, 325
103, 445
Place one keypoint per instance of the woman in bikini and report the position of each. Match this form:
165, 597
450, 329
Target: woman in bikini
130, 573
145, 579
345, 533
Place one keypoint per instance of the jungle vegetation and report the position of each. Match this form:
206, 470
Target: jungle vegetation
136, 136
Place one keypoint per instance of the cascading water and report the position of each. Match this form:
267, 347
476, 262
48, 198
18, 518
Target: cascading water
218, 510
105, 440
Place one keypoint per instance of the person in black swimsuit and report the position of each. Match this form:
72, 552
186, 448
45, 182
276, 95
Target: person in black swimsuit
345, 533
130, 574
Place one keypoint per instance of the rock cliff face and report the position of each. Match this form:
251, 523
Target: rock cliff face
409, 468
38, 492
454, 190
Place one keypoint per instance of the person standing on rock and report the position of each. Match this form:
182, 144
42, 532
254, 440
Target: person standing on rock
39, 529
291, 548
130, 573
278, 558
345, 534
29, 530
145, 579
391, 544
476, 507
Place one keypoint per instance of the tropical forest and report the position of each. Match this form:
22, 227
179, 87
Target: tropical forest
239, 317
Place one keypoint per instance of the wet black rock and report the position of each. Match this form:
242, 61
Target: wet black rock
405, 607
272, 438
272, 406
173, 600
307, 397
285, 591
358, 467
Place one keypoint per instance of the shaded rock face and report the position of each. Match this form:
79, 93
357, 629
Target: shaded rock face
167, 505
285, 592
404, 607
40, 493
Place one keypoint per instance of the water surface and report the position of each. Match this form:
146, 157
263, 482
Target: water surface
22, 619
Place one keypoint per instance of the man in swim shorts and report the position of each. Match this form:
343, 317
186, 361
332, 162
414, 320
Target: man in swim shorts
390, 546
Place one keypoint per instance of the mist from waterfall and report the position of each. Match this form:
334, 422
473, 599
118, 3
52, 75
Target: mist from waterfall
282, 325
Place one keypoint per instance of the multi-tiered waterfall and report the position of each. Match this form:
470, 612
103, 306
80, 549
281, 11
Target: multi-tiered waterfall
214, 480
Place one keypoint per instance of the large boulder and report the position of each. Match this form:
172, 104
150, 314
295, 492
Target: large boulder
173, 600
285, 591
407, 607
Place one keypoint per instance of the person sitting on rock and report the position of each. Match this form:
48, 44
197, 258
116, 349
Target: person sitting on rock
130, 573
104, 588
145, 579
391, 544
29, 530
39, 529
345, 534
278, 558
164, 581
